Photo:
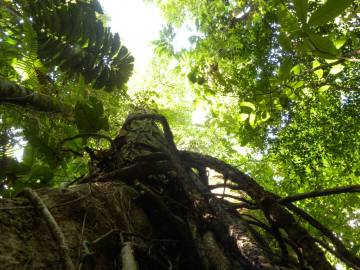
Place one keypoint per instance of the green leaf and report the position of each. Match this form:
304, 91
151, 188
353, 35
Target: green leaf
284, 71
324, 88
301, 9
285, 42
297, 84
340, 42
296, 69
336, 69
41, 172
287, 21
323, 44
90, 117
28, 156
319, 72
247, 104
329, 11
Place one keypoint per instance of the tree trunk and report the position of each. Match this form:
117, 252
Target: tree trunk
145, 205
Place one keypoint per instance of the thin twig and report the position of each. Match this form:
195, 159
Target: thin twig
345, 255
319, 193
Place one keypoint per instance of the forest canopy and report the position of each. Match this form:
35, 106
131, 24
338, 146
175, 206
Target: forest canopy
276, 84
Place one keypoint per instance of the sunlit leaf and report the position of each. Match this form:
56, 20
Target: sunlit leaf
296, 69
324, 88
247, 104
252, 118
297, 84
336, 69
244, 116
318, 72
339, 42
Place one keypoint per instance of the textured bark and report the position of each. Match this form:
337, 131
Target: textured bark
15, 94
146, 205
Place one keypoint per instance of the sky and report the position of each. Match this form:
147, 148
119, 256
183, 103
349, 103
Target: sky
138, 24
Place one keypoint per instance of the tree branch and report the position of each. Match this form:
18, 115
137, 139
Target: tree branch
18, 95
156, 117
267, 202
320, 193
81, 135
341, 250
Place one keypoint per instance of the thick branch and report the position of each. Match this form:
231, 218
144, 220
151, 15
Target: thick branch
319, 193
156, 117
18, 95
267, 201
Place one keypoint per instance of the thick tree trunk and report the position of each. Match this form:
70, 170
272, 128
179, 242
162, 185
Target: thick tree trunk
147, 206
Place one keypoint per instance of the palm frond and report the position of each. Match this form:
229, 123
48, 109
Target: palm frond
72, 37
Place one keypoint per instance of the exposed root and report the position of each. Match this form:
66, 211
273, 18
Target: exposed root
53, 226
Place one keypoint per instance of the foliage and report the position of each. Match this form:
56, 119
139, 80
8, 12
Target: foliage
279, 78
276, 83
52, 60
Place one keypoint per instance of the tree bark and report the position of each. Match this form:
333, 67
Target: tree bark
145, 205
18, 95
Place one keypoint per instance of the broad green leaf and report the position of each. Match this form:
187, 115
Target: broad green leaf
247, 104
315, 64
319, 72
305, 46
297, 84
285, 42
336, 69
324, 88
287, 21
323, 44
301, 9
296, 69
284, 71
329, 11
339, 42
329, 61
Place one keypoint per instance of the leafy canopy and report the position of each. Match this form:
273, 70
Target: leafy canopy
276, 83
